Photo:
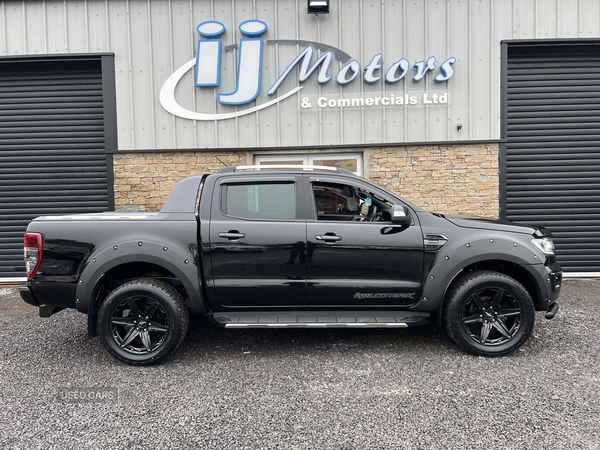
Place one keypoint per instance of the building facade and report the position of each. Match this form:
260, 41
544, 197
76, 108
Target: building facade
488, 108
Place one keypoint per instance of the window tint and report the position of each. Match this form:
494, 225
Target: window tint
346, 202
335, 199
260, 201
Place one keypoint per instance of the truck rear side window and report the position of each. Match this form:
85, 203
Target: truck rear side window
269, 201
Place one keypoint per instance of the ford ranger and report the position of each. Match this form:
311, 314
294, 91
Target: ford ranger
289, 246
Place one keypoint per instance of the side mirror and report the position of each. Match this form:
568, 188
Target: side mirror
401, 215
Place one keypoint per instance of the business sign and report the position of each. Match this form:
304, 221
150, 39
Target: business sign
208, 61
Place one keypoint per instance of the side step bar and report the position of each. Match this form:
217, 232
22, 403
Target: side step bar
322, 319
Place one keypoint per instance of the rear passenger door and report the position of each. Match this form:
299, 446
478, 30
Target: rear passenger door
257, 243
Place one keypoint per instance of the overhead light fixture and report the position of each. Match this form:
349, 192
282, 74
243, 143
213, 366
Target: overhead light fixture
318, 6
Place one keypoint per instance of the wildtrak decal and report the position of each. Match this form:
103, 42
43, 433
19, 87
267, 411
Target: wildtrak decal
361, 295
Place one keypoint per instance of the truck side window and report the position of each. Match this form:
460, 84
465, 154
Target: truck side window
270, 201
352, 203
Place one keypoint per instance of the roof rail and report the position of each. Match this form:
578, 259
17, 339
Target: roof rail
287, 166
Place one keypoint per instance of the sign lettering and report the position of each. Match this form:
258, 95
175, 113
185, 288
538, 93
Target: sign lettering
208, 60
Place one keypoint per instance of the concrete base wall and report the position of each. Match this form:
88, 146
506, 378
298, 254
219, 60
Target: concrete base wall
450, 179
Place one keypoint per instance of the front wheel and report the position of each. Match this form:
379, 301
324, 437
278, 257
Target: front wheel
489, 314
142, 321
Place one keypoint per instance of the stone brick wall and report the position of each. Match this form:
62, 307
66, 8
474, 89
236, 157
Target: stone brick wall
143, 181
453, 179
450, 179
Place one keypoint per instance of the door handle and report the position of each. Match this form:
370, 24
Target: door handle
329, 238
232, 235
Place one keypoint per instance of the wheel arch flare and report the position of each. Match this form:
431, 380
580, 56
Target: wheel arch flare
181, 263
489, 253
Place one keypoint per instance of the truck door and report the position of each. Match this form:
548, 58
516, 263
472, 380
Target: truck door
257, 243
356, 256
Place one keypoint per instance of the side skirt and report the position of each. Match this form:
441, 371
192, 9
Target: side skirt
322, 319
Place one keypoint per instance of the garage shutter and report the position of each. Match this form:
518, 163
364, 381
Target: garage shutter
52, 153
553, 146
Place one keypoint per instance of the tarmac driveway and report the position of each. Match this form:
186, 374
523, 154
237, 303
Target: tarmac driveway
302, 389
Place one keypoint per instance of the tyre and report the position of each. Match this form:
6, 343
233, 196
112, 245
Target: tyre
142, 321
489, 314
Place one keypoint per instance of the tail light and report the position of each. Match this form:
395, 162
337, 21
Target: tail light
32, 252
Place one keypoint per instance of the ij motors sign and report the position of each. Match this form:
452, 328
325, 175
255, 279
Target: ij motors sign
207, 71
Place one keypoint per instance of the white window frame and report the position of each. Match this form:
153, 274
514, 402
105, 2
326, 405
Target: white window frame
309, 158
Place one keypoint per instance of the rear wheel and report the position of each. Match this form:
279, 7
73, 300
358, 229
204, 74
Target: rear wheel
142, 321
489, 314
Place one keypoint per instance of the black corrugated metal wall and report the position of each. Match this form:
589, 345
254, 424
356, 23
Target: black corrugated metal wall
552, 154
52, 147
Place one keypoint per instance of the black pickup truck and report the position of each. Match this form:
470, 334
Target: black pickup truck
283, 247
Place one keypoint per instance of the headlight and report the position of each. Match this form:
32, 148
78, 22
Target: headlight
546, 245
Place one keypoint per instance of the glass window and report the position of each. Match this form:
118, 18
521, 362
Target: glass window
350, 164
294, 161
272, 201
349, 161
352, 203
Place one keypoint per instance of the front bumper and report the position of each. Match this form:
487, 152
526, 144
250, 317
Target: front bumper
552, 310
556, 283
555, 276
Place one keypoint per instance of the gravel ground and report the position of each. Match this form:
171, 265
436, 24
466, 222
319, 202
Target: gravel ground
301, 389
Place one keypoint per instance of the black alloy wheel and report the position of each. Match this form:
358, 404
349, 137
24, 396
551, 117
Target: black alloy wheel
489, 314
139, 325
143, 321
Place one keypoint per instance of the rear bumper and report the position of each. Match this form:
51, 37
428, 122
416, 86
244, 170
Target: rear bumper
45, 310
27, 295
57, 294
